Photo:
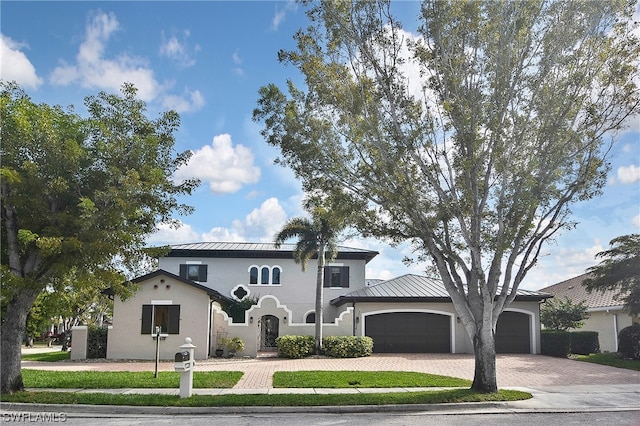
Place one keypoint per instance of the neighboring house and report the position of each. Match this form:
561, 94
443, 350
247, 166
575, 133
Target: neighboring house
406, 314
606, 313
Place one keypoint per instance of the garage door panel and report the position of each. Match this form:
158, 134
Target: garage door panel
513, 333
409, 332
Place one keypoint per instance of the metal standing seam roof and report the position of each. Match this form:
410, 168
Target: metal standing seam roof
246, 249
575, 291
414, 288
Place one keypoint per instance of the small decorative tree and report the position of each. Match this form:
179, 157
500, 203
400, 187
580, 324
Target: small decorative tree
563, 314
232, 345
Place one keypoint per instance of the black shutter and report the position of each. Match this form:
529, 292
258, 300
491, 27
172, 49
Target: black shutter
327, 277
202, 273
147, 312
344, 277
174, 319
183, 271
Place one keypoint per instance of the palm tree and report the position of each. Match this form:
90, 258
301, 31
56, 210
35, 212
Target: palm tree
314, 237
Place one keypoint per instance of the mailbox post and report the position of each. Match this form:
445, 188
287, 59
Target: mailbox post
184, 362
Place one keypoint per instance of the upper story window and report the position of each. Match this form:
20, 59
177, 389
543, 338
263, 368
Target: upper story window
194, 272
167, 317
336, 276
264, 275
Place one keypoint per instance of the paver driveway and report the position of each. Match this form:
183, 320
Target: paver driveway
513, 370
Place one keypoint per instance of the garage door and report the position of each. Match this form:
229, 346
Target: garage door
513, 334
409, 332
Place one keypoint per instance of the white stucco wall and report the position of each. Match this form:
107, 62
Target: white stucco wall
125, 340
297, 288
608, 323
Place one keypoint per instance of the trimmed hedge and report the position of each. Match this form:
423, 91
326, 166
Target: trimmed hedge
584, 342
629, 342
295, 346
347, 346
555, 343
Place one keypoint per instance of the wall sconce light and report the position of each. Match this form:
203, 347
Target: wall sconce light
250, 320
357, 320
458, 320
284, 319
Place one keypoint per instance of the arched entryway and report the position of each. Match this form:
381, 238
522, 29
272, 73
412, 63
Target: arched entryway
269, 332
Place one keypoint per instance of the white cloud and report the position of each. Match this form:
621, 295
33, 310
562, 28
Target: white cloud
189, 102
237, 60
178, 49
636, 221
629, 174
261, 224
93, 70
166, 234
281, 13
224, 166
15, 66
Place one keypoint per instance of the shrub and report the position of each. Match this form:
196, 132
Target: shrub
96, 342
347, 346
295, 346
584, 342
555, 343
629, 342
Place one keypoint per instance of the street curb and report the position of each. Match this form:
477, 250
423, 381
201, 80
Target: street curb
452, 408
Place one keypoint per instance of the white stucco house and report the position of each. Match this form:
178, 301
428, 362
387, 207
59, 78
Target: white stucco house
606, 314
407, 314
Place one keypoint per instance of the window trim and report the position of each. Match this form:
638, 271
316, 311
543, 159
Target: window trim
264, 271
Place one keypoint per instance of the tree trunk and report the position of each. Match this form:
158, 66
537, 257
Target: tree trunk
12, 332
319, 297
484, 379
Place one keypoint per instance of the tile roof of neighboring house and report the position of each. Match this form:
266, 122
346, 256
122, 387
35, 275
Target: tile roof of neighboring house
256, 250
576, 292
414, 288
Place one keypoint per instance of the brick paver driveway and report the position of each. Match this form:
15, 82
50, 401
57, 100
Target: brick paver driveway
513, 370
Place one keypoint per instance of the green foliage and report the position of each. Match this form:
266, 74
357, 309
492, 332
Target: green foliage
125, 379
555, 343
96, 342
620, 271
295, 346
347, 346
363, 379
584, 342
611, 359
629, 342
233, 344
563, 314
270, 400
47, 356
236, 309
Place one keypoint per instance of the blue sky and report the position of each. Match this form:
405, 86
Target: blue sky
207, 60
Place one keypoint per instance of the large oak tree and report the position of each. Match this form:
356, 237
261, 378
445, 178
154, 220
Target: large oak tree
79, 195
470, 140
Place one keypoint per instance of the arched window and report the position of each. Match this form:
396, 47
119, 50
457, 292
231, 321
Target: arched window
275, 276
311, 318
253, 275
264, 275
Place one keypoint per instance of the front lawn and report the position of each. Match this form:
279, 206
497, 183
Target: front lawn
125, 379
610, 359
363, 379
47, 356
274, 400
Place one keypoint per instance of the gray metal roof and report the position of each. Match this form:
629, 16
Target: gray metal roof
414, 288
254, 250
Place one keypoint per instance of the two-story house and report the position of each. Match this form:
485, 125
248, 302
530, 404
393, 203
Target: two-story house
406, 314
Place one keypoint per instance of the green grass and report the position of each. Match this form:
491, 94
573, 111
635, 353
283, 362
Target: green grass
47, 356
363, 379
610, 359
288, 400
125, 379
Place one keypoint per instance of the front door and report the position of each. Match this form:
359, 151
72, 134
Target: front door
270, 325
